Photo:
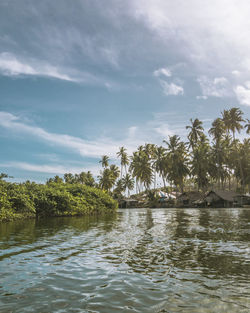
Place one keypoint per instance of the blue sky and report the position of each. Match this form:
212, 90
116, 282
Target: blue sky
79, 79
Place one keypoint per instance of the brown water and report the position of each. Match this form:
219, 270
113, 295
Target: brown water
139, 260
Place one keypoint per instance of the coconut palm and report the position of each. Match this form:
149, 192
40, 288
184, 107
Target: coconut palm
200, 163
226, 120
196, 132
247, 126
104, 161
236, 120
106, 179
124, 159
178, 161
115, 170
232, 120
217, 130
141, 168
128, 183
160, 162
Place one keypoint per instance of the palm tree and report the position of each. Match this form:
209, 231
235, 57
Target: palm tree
232, 120
124, 159
200, 163
247, 126
104, 161
128, 183
106, 179
236, 120
119, 189
160, 162
178, 161
196, 132
141, 168
226, 120
115, 170
217, 130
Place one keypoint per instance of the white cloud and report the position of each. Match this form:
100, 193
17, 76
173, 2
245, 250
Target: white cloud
243, 94
201, 97
211, 35
50, 168
171, 88
11, 66
162, 72
217, 87
84, 147
236, 73
149, 132
163, 130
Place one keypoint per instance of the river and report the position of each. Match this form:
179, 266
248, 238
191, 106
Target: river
137, 260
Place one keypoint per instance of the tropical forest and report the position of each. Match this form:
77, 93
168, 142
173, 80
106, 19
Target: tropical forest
218, 159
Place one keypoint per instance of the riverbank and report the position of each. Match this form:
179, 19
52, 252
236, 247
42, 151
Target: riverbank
31, 200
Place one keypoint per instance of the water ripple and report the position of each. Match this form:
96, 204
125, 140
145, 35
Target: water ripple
142, 260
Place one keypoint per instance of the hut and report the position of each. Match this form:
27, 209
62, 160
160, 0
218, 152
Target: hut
241, 201
220, 198
190, 199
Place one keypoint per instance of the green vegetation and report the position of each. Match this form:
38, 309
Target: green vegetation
55, 198
218, 160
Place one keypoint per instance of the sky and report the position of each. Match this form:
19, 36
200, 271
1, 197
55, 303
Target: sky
79, 79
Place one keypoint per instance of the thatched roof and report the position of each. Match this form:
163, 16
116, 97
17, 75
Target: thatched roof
190, 195
226, 195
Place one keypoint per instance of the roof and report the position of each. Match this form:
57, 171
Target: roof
227, 195
191, 195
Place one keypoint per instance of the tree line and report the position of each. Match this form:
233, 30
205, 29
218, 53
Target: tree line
217, 160
55, 198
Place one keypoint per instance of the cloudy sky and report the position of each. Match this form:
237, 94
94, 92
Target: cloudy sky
80, 78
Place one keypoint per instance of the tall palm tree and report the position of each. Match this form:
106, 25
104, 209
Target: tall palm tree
160, 162
104, 161
217, 130
128, 183
106, 179
226, 120
247, 126
124, 159
236, 120
200, 163
115, 170
141, 168
232, 120
178, 161
150, 150
196, 132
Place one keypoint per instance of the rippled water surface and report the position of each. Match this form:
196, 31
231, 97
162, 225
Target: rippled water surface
138, 260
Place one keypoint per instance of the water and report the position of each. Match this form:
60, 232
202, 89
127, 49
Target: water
138, 260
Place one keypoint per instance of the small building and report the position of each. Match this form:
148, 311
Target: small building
241, 200
220, 198
190, 199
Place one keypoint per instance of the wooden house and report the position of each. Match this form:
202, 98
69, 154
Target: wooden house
241, 200
220, 198
189, 198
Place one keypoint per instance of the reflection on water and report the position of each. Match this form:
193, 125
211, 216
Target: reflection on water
138, 260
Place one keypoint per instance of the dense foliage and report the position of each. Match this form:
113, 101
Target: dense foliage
214, 160
51, 199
